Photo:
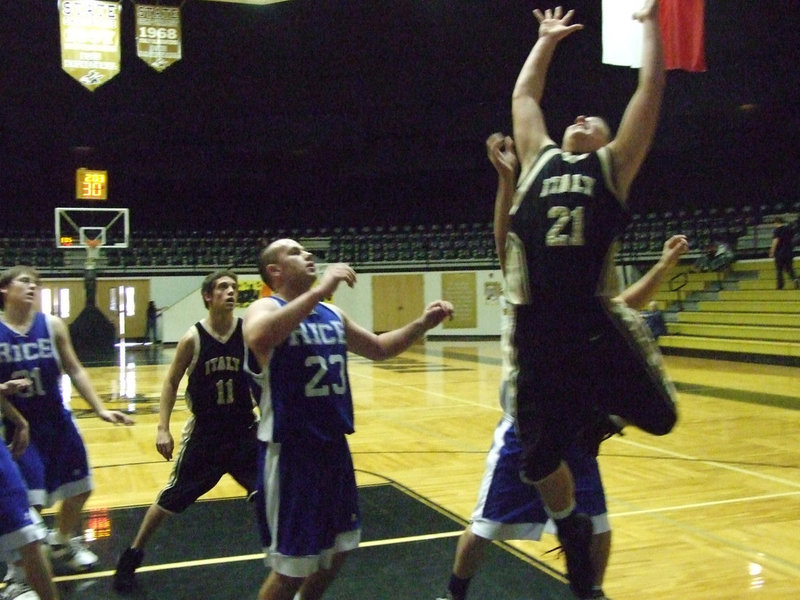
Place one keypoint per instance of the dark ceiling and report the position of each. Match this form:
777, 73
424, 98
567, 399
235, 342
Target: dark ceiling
373, 111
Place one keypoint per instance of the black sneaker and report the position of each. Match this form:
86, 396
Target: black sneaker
575, 535
598, 431
124, 577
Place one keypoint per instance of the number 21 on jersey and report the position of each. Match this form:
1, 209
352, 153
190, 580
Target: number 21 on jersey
565, 219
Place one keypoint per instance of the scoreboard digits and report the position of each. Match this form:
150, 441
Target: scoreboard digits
91, 185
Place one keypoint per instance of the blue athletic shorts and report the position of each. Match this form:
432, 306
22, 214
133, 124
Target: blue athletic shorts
18, 522
509, 509
55, 465
309, 504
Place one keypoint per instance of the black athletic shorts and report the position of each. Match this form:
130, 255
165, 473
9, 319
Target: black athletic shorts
204, 457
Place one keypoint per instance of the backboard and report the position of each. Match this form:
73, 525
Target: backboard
74, 226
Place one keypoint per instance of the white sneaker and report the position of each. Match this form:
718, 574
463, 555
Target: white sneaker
18, 590
73, 554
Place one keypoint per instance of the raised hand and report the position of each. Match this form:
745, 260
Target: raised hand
334, 275
554, 23
674, 248
500, 149
648, 11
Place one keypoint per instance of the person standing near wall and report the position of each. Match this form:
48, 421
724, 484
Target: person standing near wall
782, 250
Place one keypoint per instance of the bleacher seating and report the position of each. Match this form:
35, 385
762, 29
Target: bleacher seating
739, 311
740, 314
381, 247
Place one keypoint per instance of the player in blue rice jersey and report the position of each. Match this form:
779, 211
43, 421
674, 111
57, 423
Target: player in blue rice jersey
310, 514
55, 466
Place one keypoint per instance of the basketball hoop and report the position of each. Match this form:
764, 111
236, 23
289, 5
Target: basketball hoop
92, 251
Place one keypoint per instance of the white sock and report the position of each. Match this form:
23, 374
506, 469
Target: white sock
561, 514
59, 538
14, 572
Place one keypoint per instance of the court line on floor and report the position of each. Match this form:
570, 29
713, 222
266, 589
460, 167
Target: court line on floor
202, 562
711, 463
678, 507
659, 513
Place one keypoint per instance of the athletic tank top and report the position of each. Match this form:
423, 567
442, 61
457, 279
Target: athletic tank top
218, 388
305, 387
33, 354
559, 252
564, 221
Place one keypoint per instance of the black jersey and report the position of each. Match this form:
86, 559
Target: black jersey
564, 220
218, 390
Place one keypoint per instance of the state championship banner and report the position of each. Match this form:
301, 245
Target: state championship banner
158, 35
90, 40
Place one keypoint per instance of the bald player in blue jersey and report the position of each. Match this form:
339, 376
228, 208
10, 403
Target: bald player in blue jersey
309, 501
576, 351
55, 466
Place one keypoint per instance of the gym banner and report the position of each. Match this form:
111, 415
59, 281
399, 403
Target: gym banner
682, 24
90, 40
158, 35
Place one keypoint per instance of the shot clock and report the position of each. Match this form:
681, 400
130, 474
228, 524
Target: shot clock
91, 184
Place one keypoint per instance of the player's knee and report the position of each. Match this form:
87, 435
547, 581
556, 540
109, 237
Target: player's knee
535, 469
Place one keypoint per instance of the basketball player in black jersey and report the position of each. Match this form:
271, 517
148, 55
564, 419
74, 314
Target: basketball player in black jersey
220, 435
577, 351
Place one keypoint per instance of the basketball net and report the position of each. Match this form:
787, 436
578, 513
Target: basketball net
92, 252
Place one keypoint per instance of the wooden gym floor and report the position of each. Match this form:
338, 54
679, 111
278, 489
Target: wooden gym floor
709, 512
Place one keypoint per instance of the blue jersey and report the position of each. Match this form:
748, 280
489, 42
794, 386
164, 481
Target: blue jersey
305, 390
33, 354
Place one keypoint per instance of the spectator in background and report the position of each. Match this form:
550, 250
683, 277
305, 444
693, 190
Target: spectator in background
723, 257
654, 318
782, 251
151, 332
718, 256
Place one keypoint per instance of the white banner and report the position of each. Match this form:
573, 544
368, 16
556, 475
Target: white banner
158, 35
622, 34
90, 40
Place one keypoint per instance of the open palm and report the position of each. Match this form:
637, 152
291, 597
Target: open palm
554, 23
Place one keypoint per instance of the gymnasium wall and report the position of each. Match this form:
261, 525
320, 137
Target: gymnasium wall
474, 294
